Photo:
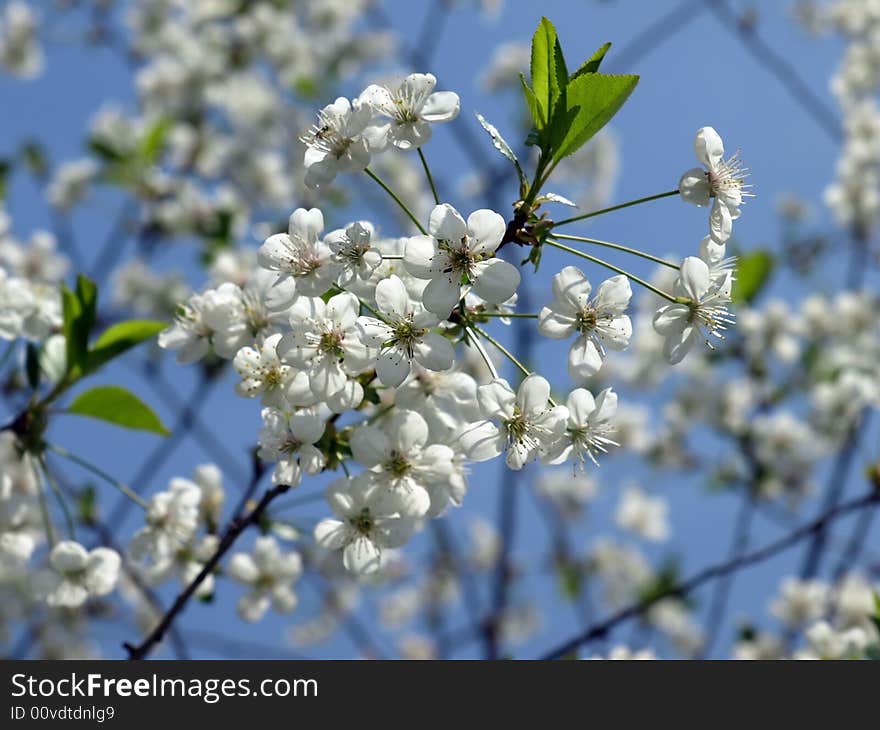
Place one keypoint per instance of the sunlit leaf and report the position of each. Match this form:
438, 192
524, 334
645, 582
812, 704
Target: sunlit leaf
118, 406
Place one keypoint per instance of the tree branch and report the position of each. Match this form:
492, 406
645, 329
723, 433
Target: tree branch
236, 526
713, 572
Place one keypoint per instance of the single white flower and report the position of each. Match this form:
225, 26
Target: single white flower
289, 440
722, 181
325, 342
336, 143
301, 254
523, 424
800, 601
459, 254
398, 456
80, 574
643, 515
703, 309
269, 573
599, 321
410, 110
262, 373
403, 335
353, 250
171, 521
588, 428
199, 318
363, 528
209, 479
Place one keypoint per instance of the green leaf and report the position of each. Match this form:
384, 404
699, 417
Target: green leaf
120, 337
549, 74
589, 103
500, 144
591, 65
105, 151
153, 141
752, 272
79, 308
537, 114
87, 292
117, 405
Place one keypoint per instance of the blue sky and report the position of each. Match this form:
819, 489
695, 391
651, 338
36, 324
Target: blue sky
699, 75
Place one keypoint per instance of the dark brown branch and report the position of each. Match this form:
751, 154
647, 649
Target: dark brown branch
237, 526
713, 572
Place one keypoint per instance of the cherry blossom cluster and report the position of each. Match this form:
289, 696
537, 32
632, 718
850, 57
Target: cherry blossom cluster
330, 324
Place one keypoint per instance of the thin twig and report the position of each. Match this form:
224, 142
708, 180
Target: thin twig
236, 527
713, 572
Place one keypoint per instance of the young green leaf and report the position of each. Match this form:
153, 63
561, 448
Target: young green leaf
591, 65
537, 114
118, 338
589, 103
87, 293
549, 74
752, 272
500, 144
117, 405
79, 310
154, 140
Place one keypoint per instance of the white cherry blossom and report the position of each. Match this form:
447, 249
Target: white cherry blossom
79, 574
325, 343
300, 254
588, 428
171, 520
354, 251
362, 528
701, 313
522, 424
405, 114
722, 182
336, 142
263, 374
403, 335
288, 439
397, 453
458, 256
269, 573
600, 321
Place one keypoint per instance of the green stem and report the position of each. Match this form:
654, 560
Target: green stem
56, 489
47, 519
396, 200
619, 247
503, 350
339, 290
478, 346
636, 279
429, 176
620, 206
508, 354
97, 471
